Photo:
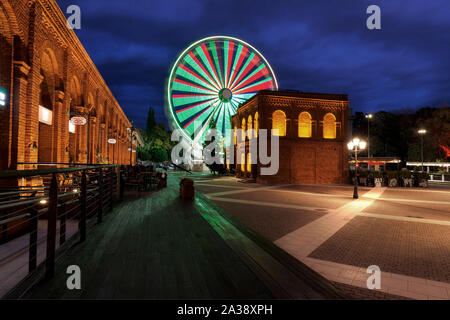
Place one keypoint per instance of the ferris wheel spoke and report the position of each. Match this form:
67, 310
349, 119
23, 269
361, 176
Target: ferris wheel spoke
198, 66
203, 53
184, 99
240, 55
180, 85
216, 62
260, 85
228, 54
189, 111
190, 75
200, 118
219, 119
259, 72
251, 61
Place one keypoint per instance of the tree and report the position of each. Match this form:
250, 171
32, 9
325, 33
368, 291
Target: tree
158, 154
151, 122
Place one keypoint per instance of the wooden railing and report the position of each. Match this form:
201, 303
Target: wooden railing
41, 206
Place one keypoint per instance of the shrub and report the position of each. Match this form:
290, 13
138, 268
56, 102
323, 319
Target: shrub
392, 174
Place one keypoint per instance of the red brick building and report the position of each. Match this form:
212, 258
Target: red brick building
312, 136
48, 78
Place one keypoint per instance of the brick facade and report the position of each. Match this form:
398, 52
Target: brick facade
313, 159
42, 62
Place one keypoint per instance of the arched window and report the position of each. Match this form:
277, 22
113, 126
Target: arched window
329, 126
235, 135
304, 125
256, 124
249, 162
249, 126
243, 129
279, 122
242, 162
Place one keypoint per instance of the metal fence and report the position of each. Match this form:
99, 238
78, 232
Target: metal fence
40, 210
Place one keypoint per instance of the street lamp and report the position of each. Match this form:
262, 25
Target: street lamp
421, 132
356, 145
368, 116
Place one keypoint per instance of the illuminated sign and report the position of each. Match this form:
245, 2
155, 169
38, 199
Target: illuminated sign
2, 97
78, 120
45, 115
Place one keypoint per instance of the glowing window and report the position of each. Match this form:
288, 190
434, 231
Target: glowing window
304, 125
45, 115
329, 126
250, 126
71, 127
279, 122
2, 97
242, 162
243, 130
249, 162
235, 135
256, 124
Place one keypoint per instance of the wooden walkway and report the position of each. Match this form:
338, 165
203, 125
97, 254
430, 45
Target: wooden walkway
160, 247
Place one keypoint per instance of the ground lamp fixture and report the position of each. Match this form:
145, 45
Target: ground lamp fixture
356, 145
421, 132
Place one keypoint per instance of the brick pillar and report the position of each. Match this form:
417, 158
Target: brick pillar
60, 127
18, 145
34, 83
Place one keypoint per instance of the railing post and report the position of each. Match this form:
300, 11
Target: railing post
83, 198
111, 177
121, 186
32, 251
51, 228
100, 197
62, 223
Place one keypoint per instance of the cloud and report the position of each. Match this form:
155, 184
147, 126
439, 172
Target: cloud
320, 46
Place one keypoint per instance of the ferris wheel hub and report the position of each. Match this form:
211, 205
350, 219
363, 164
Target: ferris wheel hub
225, 95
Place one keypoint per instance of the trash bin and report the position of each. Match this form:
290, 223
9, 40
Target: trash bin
162, 180
187, 189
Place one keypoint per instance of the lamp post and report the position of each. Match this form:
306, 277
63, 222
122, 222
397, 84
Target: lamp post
422, 133
368, 116
356, 145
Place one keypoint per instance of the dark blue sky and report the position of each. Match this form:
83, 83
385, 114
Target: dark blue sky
316, 45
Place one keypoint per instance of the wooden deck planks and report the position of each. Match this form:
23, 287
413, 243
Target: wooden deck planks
161, 247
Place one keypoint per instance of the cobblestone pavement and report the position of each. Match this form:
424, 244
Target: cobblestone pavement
406, 232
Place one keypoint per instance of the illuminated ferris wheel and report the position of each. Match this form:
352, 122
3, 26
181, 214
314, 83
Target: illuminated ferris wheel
210, 79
